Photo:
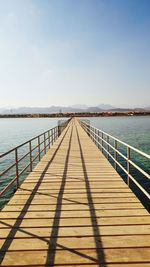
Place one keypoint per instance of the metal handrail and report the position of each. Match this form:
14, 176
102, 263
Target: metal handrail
25, 143
43, 142
123, 156
100, 138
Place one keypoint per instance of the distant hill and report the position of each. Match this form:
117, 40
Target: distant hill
94, 109
127, 109
2, 110
69, 109
42, 110
79, 106
105, 106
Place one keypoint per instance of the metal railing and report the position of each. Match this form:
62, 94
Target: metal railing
24, 156
114, 149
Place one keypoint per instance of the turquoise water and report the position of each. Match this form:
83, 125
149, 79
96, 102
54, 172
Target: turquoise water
132, 130
16, 131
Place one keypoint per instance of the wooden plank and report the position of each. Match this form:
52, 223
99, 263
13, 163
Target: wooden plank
74, 206
74, 210
74, 214
78, 256
39, 222
86, 242
51, 201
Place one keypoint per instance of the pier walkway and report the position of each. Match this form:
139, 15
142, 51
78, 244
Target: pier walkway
74, 210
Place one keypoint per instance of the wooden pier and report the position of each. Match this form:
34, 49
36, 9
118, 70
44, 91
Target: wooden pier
74, 210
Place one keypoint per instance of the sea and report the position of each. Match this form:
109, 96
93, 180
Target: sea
133, 130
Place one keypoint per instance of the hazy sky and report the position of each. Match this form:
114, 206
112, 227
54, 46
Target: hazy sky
64, 52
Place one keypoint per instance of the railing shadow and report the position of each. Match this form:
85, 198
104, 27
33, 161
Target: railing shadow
45, 240
95, 227
53, 244
54, 196
55, 227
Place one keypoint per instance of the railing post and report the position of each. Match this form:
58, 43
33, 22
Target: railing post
128, 165
87, 129
30, 152
99, 147
49, 139
91, 135
102, 142
108, 146
44, 144
115, 154
52, 137
39, 149
94, 136
59, 130
55, 134
17, 170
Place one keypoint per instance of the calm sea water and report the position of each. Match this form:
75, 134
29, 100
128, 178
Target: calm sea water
16, 131
132, 130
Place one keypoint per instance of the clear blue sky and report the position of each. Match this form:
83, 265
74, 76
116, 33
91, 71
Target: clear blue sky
64, 52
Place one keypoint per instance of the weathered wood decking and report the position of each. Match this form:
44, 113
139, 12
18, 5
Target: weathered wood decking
74, 210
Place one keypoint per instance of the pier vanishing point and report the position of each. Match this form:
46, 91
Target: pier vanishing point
73, 209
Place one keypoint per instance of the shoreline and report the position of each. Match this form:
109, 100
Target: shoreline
79, 114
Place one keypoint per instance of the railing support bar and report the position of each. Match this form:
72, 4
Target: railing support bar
108, 147
128, 165
49, 139
115, 154
44, 143
39, 148
17, 169
102, 142
30, 150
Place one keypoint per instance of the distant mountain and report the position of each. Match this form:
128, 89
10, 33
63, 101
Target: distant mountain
94, 109
79, 106
126, 110
97, 108
105, 106
42, 110
69, 109
2, 110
